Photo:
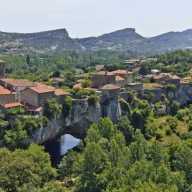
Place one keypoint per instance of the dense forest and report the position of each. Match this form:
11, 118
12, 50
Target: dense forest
40, 67
142, 152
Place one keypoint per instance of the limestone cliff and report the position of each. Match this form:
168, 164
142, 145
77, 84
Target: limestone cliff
81, 116
182, 93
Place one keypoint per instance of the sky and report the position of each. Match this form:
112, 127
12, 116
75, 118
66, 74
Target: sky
83, 18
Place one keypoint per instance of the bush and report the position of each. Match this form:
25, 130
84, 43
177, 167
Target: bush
67, 106
86, 83
182, 113
172, 123
52, 109
15, 111
82, 93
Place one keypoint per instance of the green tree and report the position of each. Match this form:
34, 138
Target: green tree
25, 169
181, 160
52, 109
16, 137
124, 125
66, 166
139, 147
93, 164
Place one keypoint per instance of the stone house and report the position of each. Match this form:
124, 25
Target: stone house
119, 77
16, 85
166, 78
102, 78
127, 75
37, 95
6, 96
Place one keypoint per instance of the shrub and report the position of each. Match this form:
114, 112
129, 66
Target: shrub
67, 106
86, 83
52, 109
172, 123
181, 114
82, 93
15, 111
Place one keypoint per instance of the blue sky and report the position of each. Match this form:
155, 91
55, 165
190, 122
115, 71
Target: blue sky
84, 18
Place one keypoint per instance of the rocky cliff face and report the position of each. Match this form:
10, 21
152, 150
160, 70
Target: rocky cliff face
182, 94
81, 116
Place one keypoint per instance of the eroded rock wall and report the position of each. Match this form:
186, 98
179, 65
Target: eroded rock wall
80, 117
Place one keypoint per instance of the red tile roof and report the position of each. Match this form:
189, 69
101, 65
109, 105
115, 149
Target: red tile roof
4, 91
12, 105
18, 82
42, 88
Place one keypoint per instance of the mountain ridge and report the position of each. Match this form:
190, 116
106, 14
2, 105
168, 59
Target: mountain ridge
123, 40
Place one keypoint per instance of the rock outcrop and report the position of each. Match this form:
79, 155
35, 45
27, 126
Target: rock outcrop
182, 94
83, 114
80, 117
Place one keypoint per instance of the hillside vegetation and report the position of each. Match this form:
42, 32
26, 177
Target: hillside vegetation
142, 152
124, 41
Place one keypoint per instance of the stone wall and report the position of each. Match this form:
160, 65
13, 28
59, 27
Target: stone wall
9, 98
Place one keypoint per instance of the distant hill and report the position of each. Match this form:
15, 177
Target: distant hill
42, 42
121, 40
126, 40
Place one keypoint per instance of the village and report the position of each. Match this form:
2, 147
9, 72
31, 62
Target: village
32, 96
